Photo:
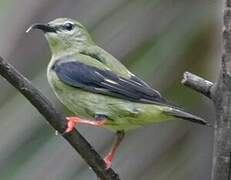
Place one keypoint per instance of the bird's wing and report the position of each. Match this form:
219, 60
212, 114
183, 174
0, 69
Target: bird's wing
103, 81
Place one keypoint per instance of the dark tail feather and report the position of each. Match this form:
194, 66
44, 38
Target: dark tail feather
186, 116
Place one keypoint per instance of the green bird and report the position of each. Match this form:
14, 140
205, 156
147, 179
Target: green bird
97, 88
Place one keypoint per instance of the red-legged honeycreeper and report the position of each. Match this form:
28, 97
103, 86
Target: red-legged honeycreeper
97, 88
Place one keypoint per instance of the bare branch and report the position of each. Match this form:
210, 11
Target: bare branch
221, 96
56, 120
197, 83
222, 101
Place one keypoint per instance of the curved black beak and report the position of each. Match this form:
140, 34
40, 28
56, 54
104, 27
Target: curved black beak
46, 28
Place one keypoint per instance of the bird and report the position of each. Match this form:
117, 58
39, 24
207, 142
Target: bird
97, 88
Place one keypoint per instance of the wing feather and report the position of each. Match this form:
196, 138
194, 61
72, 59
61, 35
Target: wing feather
93, 79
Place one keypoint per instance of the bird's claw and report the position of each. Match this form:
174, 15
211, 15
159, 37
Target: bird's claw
71, 123
108, 161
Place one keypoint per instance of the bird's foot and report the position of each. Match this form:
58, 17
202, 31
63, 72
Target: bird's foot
73, 121
108, 160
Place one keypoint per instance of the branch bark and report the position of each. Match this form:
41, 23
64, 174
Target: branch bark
222, 102
197, 83
220, 93
56, 120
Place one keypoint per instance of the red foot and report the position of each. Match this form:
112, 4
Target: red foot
72, 122
108, 160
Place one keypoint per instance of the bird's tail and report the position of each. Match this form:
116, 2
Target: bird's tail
180, 113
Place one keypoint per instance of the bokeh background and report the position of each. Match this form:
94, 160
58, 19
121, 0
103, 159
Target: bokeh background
157, 40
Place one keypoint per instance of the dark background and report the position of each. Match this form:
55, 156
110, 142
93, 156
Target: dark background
157, 40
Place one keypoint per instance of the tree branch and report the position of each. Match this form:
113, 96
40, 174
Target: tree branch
220, 94
197, 83
56, 120
222, 102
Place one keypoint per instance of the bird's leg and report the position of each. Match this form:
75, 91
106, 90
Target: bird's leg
108, 159
73, 121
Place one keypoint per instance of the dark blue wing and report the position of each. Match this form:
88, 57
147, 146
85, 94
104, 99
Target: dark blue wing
105, 82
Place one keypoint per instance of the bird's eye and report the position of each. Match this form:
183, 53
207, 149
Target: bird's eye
69, 26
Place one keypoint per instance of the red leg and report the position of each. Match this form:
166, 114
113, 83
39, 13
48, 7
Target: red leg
73, 121
108, 159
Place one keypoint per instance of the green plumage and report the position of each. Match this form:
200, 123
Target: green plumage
72, 44
122, 114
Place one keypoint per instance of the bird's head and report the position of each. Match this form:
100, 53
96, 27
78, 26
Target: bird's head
64, 34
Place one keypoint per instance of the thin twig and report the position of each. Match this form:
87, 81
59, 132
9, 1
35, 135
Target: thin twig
197, 83
56, 120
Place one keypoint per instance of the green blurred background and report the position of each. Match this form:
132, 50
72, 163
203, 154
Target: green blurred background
157, 40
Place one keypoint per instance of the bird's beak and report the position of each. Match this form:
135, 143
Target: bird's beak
46, 28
